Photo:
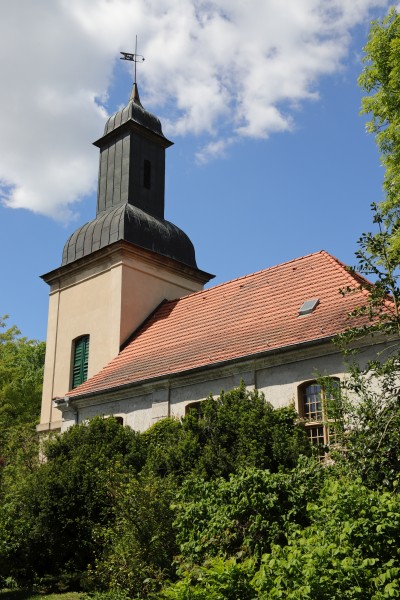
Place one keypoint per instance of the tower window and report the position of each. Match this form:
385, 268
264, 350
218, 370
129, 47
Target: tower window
147, 174
318, 405
80, 360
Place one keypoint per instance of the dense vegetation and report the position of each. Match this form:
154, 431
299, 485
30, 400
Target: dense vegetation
226, 503
111, 508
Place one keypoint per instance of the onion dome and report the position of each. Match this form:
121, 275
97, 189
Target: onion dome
133, 225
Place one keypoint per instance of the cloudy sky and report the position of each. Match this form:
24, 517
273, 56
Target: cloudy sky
271, 160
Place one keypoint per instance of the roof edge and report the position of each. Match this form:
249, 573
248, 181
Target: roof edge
217, 364
131, 125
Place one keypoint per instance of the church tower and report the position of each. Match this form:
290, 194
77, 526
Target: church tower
119, 267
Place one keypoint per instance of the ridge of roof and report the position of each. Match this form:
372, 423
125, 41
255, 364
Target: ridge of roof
351, 273
248, 275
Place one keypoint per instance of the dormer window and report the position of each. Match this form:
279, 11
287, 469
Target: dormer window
147, 174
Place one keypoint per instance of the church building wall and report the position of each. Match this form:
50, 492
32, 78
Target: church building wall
106, 299
278, 376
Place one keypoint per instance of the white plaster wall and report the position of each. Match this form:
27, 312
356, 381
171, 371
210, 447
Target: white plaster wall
107, 300
279, 380
91, 306
280, 383
144, 286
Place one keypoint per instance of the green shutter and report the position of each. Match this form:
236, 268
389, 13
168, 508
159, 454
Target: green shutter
81, 360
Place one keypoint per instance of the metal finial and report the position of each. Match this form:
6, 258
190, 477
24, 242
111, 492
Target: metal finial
135, 58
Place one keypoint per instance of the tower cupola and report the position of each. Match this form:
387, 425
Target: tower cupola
131, 190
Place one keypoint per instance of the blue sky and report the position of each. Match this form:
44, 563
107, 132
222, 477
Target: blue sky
250, 192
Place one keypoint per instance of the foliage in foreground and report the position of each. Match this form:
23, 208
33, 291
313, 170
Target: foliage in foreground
21, 376
244, 515
349, 550
102, 500
380, 79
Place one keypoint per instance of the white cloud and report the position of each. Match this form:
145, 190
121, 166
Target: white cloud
228, 68
216, 149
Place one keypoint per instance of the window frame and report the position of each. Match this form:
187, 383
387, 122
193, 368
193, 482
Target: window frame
318, 422
80, 362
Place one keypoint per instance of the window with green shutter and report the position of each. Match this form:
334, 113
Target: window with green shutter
81, 359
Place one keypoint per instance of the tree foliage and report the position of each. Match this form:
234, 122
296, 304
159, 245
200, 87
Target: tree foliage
102, 500
235, 430
48, 516
136, 548
244, 515
21, 376
348, 551
381, 80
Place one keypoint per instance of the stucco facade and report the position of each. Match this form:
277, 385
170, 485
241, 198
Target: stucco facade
278, 375
106, 295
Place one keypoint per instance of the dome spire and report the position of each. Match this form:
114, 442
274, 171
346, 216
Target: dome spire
135, 95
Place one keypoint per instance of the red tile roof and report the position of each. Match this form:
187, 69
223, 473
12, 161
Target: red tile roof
243, 317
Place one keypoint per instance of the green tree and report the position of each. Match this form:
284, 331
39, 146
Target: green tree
138, 545
372, 408
381, 80
49, 514
222, 435
21, 376
370, 402
349, 550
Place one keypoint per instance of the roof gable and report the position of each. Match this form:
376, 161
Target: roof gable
246, 316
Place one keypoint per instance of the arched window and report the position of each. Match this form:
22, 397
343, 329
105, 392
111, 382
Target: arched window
318, 405
80, 360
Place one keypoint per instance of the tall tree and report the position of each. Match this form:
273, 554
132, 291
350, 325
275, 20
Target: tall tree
380, 79
21, 375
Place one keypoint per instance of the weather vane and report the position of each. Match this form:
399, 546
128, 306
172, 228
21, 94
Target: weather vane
135, 58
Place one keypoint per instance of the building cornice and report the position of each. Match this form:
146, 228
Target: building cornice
120, 251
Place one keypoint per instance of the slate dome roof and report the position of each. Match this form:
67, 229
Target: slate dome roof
129, 223
134, 111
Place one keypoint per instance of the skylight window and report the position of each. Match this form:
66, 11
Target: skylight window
308, 307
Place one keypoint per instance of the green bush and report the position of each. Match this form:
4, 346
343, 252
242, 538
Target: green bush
218, 579
48, 515
139, 544
349, 551
241, 517
223, 435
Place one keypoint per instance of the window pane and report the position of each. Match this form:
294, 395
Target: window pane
312, 402
316, 435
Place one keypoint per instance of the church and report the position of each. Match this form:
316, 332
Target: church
133, 333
